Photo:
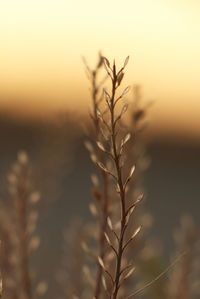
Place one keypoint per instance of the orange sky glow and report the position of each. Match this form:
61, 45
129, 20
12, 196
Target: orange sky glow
42, 42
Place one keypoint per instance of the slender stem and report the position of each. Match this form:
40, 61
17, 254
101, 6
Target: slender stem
157, 278
94, 98
122, 193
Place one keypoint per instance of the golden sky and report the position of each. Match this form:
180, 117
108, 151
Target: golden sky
42, 42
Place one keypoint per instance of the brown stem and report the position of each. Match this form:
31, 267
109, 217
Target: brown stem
122, 193
94, 98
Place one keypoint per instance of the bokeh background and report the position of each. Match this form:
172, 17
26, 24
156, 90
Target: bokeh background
44, 101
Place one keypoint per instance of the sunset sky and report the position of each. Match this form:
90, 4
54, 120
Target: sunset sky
42, 42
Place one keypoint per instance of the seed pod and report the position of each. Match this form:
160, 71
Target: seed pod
120, 77
136, 232
101, 263
126, 90
126, 61
93, 209
109, 223
129, 273
89, 146
100, 146
107, 239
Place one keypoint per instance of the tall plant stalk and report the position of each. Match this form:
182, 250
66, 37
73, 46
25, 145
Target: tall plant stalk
96, 100
115, 154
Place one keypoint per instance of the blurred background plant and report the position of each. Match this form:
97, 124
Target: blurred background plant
18, 237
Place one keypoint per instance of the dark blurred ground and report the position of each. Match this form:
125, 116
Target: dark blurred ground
62, 173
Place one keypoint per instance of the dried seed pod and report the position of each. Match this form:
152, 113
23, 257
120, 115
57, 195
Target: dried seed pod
129, 176
100, 146
136, 232
101, 263
102, 167
125, 139
88, 275
34, 197
22, 158
89, 146
120, 77
41, 288
126, 90
107, 239
126, 61
109, 223
130, 272
34, 243
129, 214
95, 180
124, 109
93, 210
104, 283
93, 157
